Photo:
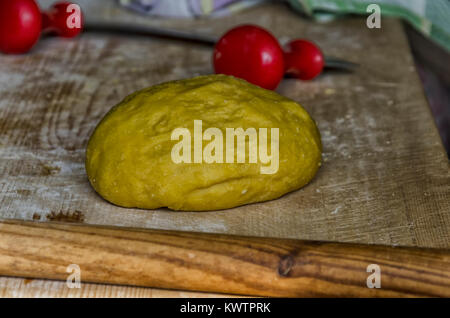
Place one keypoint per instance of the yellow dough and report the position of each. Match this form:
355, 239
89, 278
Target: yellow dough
130, 156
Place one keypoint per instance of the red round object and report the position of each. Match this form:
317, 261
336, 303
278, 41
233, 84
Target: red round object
303, 59
20, 25
64, 19
251, 53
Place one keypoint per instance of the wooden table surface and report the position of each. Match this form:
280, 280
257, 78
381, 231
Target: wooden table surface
385, 177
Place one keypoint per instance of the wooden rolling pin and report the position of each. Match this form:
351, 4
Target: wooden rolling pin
219, 263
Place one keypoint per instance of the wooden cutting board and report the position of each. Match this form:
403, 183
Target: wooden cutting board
385, 177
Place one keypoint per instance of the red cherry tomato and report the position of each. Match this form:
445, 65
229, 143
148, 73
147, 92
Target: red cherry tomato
63, 20
303, 59
251, 53
20, 25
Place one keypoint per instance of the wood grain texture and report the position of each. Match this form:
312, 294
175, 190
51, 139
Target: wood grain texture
219, 263
385, 179
14, 287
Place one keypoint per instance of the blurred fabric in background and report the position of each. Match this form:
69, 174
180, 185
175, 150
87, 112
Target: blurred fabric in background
429, 17
188, 8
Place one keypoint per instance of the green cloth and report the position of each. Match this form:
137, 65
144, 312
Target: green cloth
431, 17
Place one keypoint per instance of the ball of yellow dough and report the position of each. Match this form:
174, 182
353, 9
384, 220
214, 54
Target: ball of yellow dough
130, 158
